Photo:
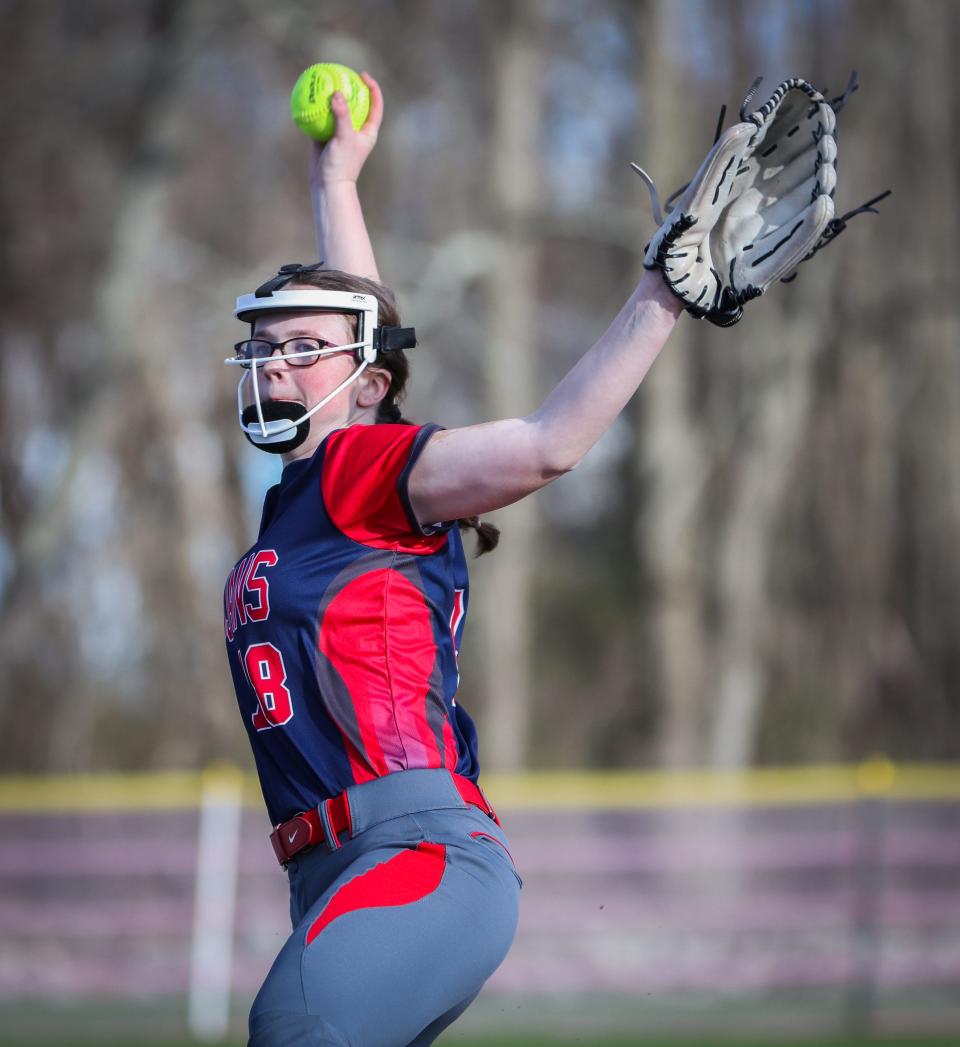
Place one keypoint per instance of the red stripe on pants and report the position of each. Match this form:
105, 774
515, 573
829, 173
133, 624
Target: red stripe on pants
405, 878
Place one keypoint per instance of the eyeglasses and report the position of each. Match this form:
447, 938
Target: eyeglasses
298, 352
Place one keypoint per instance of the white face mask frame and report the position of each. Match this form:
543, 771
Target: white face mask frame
264, 432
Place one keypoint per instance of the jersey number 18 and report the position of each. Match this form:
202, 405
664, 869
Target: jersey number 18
264, 668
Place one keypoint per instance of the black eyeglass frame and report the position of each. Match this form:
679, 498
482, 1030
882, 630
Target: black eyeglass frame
324, 348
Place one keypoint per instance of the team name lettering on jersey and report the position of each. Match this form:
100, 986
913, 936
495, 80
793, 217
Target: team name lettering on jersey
247, 593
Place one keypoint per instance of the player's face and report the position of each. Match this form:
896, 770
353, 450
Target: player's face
280, 379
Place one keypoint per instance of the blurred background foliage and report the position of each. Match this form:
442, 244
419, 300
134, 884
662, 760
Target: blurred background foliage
758, 562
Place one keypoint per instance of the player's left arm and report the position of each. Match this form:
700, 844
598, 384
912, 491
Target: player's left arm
473, 470
342, 238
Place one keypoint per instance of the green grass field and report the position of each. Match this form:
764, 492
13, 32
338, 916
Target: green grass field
812, 1019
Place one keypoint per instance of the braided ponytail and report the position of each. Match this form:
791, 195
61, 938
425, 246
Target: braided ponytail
488, 536
390, 413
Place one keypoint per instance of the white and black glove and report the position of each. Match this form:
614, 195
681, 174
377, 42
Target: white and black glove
760, 204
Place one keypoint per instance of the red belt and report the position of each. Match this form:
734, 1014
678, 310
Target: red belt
306, 829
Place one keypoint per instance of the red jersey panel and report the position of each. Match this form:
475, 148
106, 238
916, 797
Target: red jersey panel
363, 491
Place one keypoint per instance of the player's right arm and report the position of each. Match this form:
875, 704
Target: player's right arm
342, 239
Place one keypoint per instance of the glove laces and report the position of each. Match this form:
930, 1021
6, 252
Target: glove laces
836, 226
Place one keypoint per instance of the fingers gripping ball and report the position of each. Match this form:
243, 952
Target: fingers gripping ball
310, 100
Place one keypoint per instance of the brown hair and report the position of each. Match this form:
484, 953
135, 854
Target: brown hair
395, 363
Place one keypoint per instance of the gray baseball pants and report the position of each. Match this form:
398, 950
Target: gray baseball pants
396, 928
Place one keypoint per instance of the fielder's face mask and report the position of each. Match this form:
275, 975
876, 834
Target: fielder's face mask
279, 426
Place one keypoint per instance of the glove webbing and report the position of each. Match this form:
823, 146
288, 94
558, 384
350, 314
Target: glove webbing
836, 226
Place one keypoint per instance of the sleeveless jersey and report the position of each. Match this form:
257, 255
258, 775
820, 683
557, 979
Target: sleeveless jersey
343, 624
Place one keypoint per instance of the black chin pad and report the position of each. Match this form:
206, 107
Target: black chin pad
276, 411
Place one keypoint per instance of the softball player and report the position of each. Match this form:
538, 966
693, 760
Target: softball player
343, 623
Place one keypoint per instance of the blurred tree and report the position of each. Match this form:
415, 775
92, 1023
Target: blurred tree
670, 451
775, 358
756, 563
510, 363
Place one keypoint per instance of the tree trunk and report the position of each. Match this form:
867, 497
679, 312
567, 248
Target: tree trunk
510, 380
670, 453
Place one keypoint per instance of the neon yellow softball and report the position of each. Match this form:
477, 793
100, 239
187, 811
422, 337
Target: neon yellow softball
310, 100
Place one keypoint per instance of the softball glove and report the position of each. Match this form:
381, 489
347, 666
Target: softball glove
760, 204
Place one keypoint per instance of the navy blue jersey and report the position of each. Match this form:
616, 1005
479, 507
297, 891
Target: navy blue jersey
343, 623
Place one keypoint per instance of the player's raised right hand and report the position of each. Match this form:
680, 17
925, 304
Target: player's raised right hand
342, 158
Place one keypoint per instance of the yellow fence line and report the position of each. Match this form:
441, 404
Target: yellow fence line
541, 790
787, 786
